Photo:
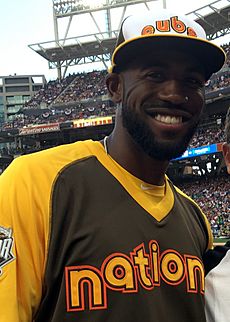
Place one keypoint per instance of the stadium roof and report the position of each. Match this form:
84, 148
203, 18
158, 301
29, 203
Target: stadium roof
98, 47
79, 51
217, 22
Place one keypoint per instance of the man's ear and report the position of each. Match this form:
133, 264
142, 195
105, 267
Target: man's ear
226, 153
114, 86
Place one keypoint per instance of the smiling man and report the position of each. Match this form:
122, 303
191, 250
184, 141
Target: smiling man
162, 98
95, 231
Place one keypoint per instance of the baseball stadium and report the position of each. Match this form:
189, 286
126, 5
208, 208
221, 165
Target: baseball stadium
37, 113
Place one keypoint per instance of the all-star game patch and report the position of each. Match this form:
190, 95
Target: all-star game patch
6, 244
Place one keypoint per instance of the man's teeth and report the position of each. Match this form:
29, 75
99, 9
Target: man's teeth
168, 119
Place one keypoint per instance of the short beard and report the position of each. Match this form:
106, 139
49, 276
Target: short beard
144, 137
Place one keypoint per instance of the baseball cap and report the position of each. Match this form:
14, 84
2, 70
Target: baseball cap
162, 29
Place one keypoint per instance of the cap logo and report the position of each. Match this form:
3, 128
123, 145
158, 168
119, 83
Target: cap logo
173, 24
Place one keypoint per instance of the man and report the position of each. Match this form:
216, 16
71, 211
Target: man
226, 145
217, 263
95, 231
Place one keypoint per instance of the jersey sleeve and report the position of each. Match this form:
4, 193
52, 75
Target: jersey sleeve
205, 220
26, 188
23, 242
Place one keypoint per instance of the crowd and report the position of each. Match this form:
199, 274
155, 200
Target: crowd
207, 136
85, 86
49, 92
213, 196
226, 48
61, 115
73, 88
218, 81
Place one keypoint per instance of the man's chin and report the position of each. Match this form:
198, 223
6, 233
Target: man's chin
159, 148
165, 152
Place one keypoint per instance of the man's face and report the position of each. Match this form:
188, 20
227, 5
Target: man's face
163, 98
226, 153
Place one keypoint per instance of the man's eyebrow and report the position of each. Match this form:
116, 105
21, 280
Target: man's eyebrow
193, 68
196, 68
197, 71
149, 64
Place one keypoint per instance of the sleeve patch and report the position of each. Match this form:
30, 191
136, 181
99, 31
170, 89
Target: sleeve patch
6, 245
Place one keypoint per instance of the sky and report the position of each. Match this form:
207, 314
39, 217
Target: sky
26, 22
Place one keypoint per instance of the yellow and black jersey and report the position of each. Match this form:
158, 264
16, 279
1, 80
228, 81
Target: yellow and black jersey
81, 239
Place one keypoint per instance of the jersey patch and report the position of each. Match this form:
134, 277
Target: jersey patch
6, 244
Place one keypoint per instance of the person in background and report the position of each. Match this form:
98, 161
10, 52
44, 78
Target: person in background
95, 231
226, 145
217, 263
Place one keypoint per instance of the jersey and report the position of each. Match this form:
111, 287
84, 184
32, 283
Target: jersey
79, 242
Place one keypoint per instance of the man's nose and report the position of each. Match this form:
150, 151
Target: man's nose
173, 92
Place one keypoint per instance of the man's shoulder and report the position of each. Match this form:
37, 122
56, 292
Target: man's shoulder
64, 153
50, 161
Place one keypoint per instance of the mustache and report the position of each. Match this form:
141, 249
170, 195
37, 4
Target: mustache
160, 103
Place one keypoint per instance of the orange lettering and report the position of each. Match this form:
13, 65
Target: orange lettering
172, 267
76, 277
191, 32
195, 274
141, 261
178, 25
148, 30
163, 25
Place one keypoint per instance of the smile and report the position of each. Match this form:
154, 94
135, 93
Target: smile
168, 119
169, 116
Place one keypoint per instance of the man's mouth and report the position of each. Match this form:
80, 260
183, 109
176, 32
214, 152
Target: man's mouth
168, 119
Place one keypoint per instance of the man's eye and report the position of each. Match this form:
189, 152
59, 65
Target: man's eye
157, 76
195, 82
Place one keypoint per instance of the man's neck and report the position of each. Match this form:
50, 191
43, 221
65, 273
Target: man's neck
132, 158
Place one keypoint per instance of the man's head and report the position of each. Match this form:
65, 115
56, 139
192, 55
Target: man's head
150, 30
226, 146
157, 77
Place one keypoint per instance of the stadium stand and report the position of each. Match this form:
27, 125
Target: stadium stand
212, 195
207, 136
